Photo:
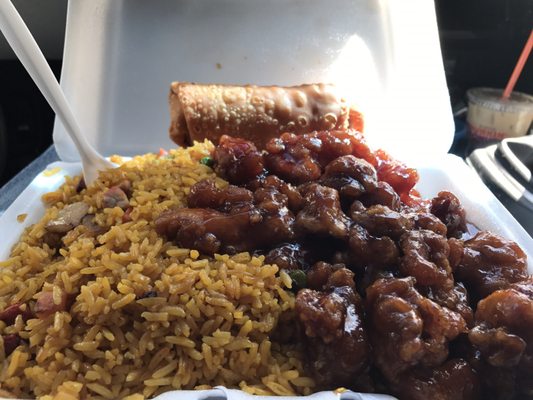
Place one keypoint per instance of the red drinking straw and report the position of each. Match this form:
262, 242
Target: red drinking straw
518, 68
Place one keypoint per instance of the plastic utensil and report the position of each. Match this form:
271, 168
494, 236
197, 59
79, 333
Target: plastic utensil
519, 66
23, 44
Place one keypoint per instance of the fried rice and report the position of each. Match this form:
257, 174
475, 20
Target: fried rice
145, 316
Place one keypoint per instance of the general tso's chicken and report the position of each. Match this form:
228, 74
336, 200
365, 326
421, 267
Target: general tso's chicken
332, 319
237, 160
504, 332
300, 159
321, 213
426, 258
395, 173
454, 380
447, 207
324, 276
498, 383
205, 194
325, 199
453, 296
230, 219
288, 256
407, 329
383, 194
427, 221
380, 220
295, 198
366, 249
490, 262
350, 176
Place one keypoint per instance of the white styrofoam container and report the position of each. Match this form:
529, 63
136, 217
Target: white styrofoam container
121, 55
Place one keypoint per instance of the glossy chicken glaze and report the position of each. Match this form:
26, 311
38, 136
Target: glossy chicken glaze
388, 283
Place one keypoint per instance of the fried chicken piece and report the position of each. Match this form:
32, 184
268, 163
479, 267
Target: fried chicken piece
504, 325
453, 296
237, 160
288, 256
324, 275
504, 336
333, 324
366, 249
383, 194
230, 219
205, 194
490, 262
447, 207
396, 173
407, 329
321, 213
454, 380
427, 221
425, 257
350, 176
456, 252
302, 158
380, 220
292, 193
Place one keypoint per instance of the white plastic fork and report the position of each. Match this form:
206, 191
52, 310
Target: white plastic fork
23, 44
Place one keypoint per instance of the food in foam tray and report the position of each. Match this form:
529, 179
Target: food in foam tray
286, 266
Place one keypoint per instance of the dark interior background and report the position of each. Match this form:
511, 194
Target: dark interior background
480, 39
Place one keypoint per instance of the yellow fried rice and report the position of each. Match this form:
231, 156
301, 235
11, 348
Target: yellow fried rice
210, 322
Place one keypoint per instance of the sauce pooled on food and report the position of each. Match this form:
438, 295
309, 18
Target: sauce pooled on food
387, 284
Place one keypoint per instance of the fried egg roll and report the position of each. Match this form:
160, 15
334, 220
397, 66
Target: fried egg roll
255, 113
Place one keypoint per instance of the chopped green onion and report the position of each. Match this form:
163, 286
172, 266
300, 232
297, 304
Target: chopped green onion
207, 161
299, 278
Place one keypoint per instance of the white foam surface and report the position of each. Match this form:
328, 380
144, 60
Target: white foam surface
121, 55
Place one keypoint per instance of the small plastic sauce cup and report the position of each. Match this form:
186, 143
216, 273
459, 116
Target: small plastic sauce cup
490, 118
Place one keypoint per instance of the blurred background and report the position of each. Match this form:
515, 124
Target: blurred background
26, 120
480, 40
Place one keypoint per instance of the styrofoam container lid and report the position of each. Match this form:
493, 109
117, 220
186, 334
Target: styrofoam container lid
120, 57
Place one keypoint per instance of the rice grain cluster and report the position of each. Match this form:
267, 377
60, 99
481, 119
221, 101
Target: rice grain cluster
144, 316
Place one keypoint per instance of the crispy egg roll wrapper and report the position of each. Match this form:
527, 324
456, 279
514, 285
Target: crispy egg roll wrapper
255, 113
